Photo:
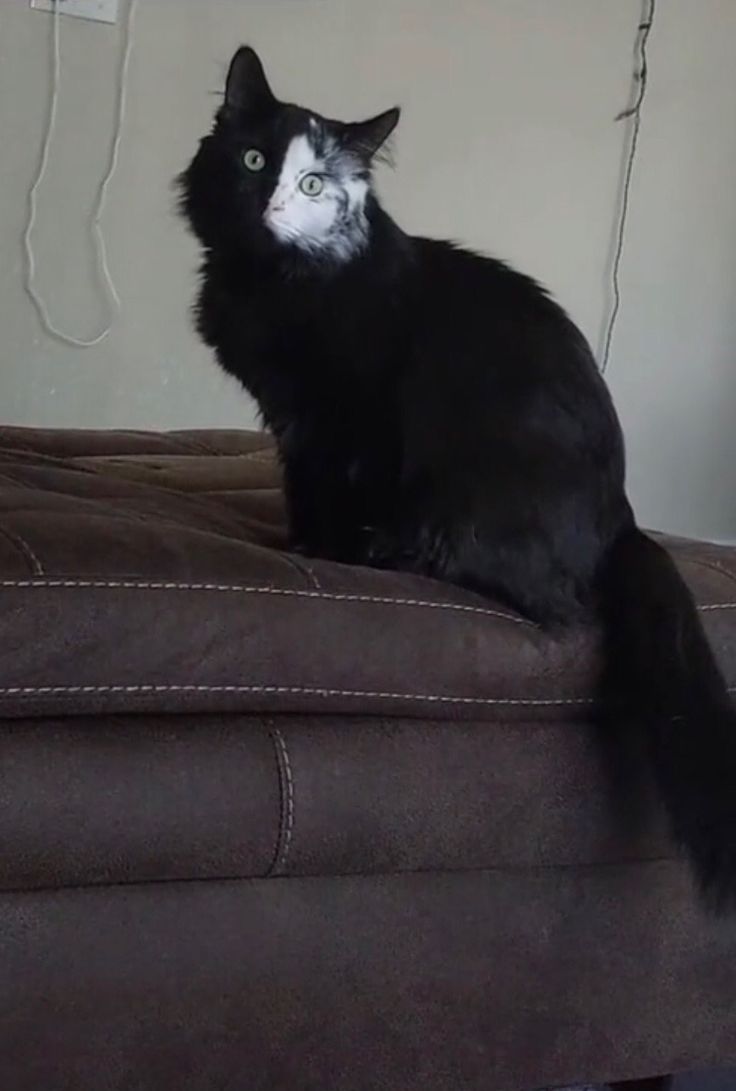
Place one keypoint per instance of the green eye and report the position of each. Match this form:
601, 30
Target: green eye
312, 185
254, 160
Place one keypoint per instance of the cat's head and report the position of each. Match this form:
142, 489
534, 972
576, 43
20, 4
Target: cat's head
275, 178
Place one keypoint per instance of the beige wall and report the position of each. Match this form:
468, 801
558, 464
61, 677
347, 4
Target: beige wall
507, 141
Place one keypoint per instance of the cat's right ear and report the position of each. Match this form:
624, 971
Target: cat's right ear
247, 87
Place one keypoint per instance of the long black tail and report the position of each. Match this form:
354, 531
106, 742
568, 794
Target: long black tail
660, 663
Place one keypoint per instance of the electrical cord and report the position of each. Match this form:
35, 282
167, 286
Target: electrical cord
103, 267
641, 76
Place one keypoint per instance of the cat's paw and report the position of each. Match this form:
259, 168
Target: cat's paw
382, 550
299, 547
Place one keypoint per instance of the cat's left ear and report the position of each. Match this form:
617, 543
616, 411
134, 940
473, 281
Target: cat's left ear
247, 87
368, 137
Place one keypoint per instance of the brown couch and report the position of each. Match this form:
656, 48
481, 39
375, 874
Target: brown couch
270, 823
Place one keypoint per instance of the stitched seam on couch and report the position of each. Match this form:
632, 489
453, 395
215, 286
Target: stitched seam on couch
308, 691
286, 786
245, 589
22, 546
146, 689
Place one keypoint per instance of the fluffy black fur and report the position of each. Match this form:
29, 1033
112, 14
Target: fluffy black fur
436, 411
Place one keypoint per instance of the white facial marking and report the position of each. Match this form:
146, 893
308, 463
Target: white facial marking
332, 222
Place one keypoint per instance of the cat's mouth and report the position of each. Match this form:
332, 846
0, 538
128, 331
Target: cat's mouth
280, 228
288, 234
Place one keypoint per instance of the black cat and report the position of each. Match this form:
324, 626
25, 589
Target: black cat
436, 411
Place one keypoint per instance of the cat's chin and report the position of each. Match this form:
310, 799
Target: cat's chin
288, 239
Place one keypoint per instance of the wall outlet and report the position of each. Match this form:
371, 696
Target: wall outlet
103, 11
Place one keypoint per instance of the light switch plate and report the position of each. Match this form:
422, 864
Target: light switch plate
102, 11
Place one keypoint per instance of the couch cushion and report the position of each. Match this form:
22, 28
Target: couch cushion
146, 573
150, 798
336, 719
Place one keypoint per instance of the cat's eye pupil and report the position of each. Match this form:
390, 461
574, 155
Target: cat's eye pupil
254, 160
312, 185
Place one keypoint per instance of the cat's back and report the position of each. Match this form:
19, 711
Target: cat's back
490, 342
487, 309
458, 276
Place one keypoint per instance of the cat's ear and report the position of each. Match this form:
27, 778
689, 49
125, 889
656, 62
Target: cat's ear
368, 137
247, 87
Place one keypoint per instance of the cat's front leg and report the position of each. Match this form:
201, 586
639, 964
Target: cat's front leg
409, 546
320, 511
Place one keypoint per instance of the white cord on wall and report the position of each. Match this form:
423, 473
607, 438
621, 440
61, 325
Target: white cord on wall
103, 266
